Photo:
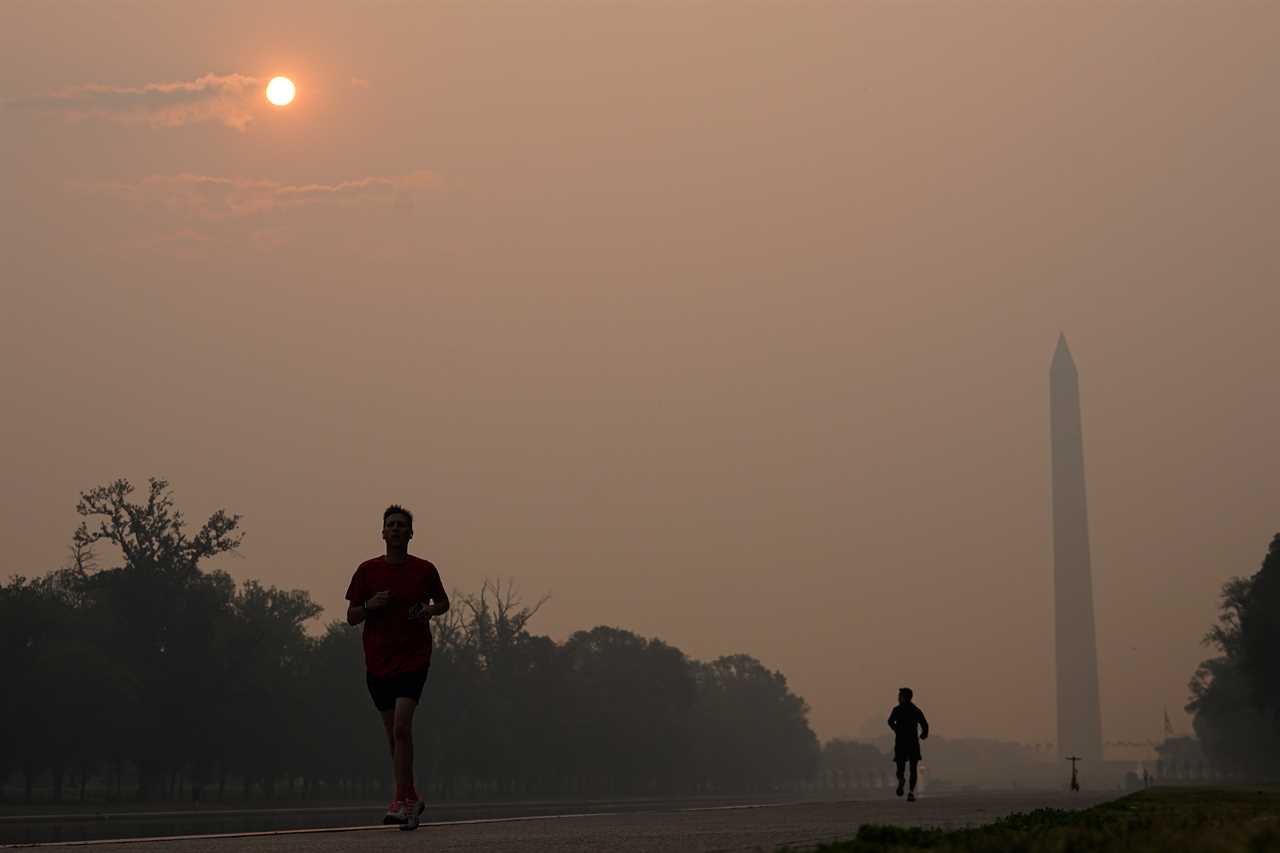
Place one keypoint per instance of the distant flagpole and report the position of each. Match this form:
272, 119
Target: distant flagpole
1168, 726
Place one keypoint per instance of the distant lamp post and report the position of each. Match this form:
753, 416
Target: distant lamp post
1075, 778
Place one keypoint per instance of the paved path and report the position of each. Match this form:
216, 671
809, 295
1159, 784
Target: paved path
687, 830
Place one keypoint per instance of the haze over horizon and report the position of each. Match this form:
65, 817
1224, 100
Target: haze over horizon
727, 324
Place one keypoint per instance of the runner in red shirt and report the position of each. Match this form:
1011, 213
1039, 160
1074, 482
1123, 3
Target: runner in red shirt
395, 596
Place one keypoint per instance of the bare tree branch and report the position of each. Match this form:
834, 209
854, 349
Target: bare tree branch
150, 536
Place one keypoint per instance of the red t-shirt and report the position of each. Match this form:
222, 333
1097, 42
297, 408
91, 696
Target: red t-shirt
393, 643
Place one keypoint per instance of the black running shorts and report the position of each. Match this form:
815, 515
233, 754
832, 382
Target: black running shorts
386, 690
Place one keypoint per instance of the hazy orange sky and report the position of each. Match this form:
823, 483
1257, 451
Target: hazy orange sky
724, 322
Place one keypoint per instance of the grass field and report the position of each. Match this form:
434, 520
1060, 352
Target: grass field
1159, 820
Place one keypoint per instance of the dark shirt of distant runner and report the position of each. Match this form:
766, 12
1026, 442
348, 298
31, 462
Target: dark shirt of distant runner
904, 720
393, 643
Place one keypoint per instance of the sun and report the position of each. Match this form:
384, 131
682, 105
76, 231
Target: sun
280, 91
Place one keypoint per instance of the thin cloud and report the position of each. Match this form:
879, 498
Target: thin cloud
182, 241
228, 99
189, 215
216, 199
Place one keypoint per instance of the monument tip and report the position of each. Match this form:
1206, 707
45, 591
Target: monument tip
1062, 354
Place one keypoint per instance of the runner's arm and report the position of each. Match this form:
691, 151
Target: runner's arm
438, 606
357, 594
356, 614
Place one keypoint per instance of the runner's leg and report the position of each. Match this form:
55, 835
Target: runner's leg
388, 723
913, 775
395, 811
402, 742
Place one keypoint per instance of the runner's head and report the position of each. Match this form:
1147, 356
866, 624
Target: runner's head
397, 526
904, 695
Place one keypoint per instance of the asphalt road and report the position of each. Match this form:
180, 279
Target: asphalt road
663, 829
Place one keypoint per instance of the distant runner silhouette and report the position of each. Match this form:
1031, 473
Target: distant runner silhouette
390, 595
905, 719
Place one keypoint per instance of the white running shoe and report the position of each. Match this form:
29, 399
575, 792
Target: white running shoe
413, 810
395, 812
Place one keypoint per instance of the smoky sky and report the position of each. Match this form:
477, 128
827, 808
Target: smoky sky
726, 323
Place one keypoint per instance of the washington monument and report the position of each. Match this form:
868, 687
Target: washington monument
1079, 710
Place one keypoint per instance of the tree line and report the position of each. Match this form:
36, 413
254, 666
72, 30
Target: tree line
156, 678
1235, 696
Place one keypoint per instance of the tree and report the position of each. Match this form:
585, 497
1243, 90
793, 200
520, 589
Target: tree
1259, 635
632, 701
502, 666
753, 732
850, 763
28, 622
150, 536
1235, 697
262, 697
161, 614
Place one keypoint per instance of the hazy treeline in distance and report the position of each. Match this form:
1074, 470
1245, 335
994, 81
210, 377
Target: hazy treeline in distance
156, 679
